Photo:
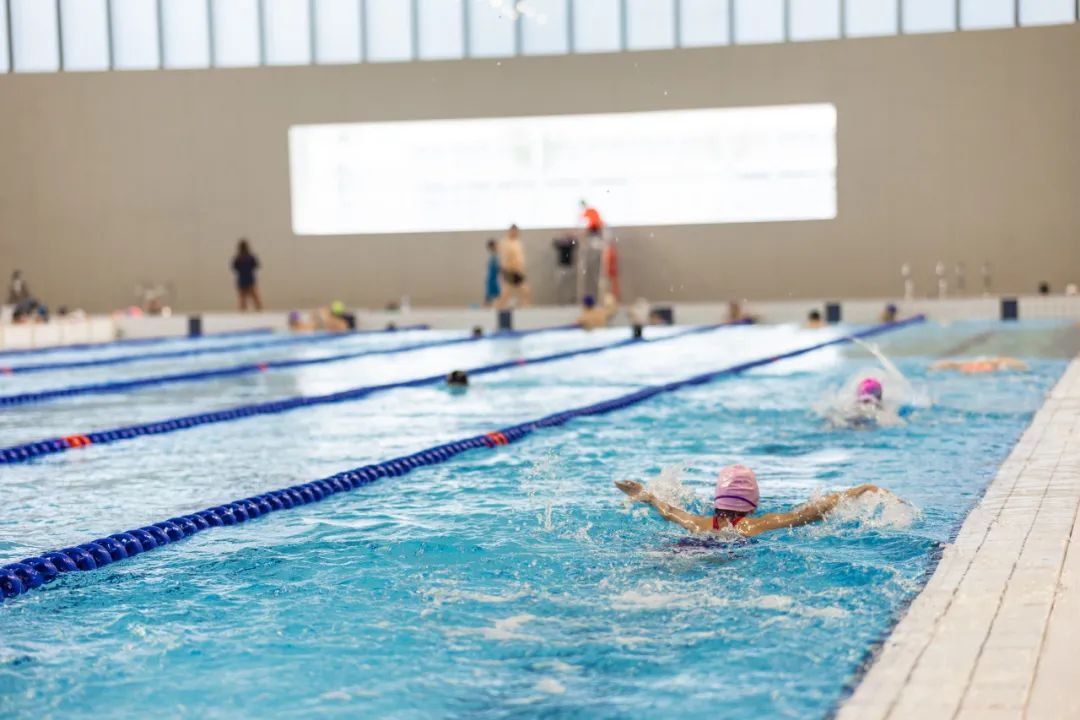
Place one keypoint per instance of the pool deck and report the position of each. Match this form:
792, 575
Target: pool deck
996, 632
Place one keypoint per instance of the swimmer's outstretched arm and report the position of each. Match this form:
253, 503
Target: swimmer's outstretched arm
945, 365
803, 514
693, 523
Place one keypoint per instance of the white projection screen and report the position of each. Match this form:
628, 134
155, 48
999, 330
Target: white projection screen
681, 167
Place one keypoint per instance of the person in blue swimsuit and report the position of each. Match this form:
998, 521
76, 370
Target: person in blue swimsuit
492, 289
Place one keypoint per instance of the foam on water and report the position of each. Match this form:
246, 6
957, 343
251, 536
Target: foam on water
876, 511
668, 486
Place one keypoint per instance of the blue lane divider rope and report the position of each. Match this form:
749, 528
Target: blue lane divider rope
33, 572
31, 450
131, 342
305, 339
114, 386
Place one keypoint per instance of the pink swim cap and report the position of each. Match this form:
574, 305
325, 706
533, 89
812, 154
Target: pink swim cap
870, 387
736, 489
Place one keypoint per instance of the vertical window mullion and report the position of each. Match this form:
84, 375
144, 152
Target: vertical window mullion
517, 34
59, 35
570, 48
313, 34
466, 35
676, 7
624, 30
414, 30
260, 11
160, 36
363, 31
210, 32
10, 43
111, 36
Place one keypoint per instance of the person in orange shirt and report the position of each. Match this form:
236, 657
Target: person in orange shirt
593, 224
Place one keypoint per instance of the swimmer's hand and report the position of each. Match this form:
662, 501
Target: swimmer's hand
693, 523
633, 489
863, 489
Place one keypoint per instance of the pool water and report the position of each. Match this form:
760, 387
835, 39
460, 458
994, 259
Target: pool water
513, 582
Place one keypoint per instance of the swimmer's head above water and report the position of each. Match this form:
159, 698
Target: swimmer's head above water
458, 379
869, 392
736, 495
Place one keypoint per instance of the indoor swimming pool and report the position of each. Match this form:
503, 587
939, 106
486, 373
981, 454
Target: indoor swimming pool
509, 581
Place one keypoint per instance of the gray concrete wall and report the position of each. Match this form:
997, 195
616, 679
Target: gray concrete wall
951, 147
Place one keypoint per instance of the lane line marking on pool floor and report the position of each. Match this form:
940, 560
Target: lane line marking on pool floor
113, 386
30, 450
20, 577
993, 633
289, 340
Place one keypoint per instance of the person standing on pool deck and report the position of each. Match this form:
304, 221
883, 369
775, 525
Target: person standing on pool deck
736, 497
491, 285
245, 264
512, 265
18, 290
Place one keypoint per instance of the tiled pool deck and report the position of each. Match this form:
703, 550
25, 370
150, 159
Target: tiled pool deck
996, 632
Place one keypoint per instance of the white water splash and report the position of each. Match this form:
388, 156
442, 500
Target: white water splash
651, 597
542, 476
875, 510
558, 666
442, 596
550, 686
540, 471
582, 533
669, 487
508, 628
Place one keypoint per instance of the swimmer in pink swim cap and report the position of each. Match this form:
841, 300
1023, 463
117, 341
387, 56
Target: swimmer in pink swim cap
735, 499
870, 392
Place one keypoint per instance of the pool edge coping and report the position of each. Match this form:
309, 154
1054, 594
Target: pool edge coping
971, 643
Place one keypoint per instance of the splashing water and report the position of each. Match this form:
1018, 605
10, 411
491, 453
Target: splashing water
870, 511
669, 487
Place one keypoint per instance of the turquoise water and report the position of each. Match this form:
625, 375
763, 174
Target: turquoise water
507, 583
